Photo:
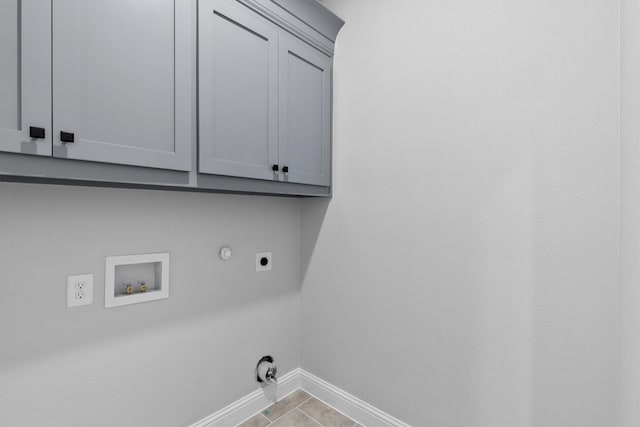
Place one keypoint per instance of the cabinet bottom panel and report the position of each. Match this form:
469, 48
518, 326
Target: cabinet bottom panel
47, 170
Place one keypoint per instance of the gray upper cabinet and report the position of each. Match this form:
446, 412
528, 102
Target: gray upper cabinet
238, 91
206, 95
264, 98
305, 112
117, 84
25, 76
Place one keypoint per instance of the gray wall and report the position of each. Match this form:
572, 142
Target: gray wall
630, 214
170, 362
466, 270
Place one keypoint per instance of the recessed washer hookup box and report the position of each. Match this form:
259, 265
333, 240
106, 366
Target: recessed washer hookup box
132, 279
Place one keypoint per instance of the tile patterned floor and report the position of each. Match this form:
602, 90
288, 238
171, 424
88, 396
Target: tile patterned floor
299, 409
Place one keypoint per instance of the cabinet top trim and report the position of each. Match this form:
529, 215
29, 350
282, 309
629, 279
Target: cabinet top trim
314, 14
306, 19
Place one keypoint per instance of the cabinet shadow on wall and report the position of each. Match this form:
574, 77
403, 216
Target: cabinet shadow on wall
312, 214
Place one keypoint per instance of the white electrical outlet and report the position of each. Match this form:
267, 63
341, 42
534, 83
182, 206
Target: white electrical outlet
263, 261
79, 290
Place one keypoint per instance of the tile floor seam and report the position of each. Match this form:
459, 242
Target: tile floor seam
255, 415
295, 409
310, 417
308, 398
302, 403
299, 409
355, 423
289, 411
262, 415
283, 415
286, 413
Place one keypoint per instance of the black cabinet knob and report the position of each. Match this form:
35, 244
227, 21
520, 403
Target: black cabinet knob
285, 169
37, 133
275, 168
67, 136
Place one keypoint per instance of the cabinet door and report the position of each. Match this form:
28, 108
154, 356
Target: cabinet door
25, 75
305, 112
116, 82
238, 116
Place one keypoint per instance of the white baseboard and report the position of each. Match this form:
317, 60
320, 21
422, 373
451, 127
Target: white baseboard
245, 407
256, 401
346, 403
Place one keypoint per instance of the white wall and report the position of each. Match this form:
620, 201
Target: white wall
170, 362
630, 213
466, 270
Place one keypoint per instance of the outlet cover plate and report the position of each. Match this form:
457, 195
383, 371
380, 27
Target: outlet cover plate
79, 290
259, 265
